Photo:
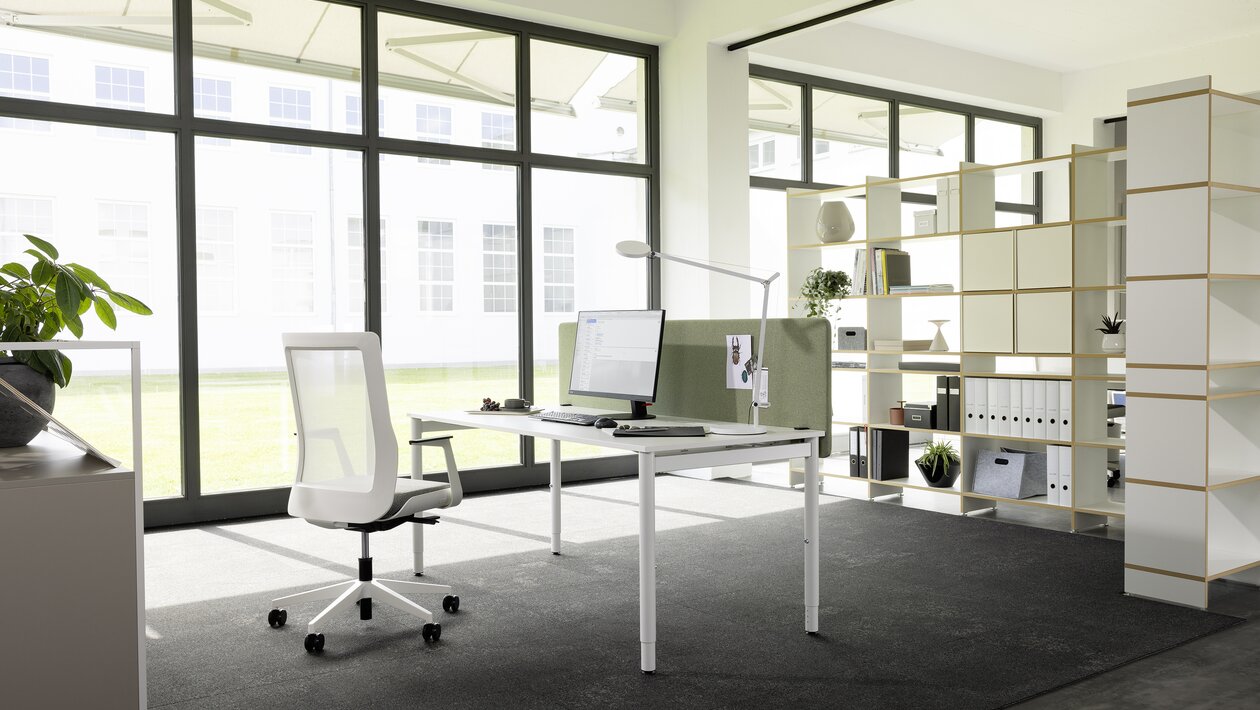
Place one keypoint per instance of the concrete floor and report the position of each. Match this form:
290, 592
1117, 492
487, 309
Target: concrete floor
233, 558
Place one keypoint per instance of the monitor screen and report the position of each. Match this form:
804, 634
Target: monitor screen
617, 354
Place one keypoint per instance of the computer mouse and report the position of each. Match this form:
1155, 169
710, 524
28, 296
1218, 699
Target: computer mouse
605, 423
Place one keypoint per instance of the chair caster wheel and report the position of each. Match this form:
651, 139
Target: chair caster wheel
277, 617
314, 643
450, 603
431, 632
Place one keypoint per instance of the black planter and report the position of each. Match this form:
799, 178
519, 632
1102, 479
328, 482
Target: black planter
17, 425
937, 478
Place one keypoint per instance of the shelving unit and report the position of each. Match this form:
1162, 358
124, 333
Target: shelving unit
1026, 299
1194, 339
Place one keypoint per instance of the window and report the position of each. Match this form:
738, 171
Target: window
292, 108
212, 98
354, 114
216, 261
498, 247
356, 270
24, 215
558, 269
436, 250
850, 138
123, 230
120, 87
27, 78
498, 130
433, 124
761, 155
608, 87
292, 263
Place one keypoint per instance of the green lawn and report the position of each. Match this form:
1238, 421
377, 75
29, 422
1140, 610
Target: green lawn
247, 425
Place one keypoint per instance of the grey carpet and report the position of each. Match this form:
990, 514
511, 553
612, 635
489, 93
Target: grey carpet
920, 610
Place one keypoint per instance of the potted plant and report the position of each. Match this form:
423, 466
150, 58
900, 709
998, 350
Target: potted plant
939, 464
36, 305
821, 287
1112, 339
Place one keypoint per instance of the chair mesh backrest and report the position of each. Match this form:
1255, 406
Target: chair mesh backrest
336, 422
347, 451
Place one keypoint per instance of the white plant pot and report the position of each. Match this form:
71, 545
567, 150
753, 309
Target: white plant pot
1113, 342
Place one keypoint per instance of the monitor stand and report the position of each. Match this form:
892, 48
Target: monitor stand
638, 410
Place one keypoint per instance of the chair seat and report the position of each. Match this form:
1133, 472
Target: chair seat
411, 495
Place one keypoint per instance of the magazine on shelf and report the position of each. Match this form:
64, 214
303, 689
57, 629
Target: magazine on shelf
54, 427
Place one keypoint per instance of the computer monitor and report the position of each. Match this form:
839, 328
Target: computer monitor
617, 354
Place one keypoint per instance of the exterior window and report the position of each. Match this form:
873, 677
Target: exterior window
292, 263
354, 114
355, 267
436, 251
292, 108
433, 124
123, 230
498, 130
821, 147
25, 78
212, 98
498, 247
216, 260
24, 215
761, 155
558, 269
119, 87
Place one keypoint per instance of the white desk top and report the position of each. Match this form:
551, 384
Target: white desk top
48, 460
529, 426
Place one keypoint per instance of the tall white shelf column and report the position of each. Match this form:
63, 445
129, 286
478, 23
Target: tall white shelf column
1193, 341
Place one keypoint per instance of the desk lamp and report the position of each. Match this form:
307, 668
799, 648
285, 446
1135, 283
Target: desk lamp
640, 250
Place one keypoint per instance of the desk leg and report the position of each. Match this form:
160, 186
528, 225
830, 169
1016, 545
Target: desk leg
647, 563
555, 496
417, 471
811, 539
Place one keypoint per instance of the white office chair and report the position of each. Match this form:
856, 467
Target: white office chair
347, 473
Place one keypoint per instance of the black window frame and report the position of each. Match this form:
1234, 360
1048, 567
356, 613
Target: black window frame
192, 506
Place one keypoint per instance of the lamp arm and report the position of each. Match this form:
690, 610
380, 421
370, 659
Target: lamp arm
711, 267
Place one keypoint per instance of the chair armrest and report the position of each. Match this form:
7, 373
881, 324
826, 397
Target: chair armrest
452, 471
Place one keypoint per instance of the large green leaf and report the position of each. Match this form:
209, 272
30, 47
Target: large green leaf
74, 324
88, 275
43, 273
16, 270
43, 246
129, 303
105, 312
68, 295
52, 366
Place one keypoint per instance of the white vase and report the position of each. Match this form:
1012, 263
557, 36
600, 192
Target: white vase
835, 223
1113, 342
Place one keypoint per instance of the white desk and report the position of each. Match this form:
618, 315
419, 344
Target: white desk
656, 455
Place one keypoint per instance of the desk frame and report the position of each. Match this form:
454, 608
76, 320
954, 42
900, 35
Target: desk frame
655, 455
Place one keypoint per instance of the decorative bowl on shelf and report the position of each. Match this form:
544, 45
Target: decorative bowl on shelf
938, 477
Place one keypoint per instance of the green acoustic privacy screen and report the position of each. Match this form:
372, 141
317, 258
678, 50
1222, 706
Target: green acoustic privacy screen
693, 375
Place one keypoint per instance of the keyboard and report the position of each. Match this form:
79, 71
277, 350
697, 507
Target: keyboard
568, 417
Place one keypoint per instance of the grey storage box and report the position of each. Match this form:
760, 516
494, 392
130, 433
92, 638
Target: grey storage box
1010, 474
849, 338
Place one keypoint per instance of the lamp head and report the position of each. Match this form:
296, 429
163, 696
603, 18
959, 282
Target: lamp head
633, 249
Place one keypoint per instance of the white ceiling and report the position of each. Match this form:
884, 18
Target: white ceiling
1068, 35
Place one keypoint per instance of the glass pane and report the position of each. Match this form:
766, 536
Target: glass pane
587, 103
109, 206
450, 334
768, 249
931, 141
295, 64
578, 220
447, 83
850, 138
269, 261
1000, 142
774, 129
117, 56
